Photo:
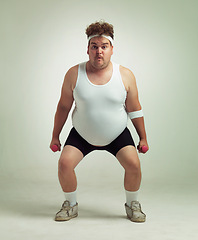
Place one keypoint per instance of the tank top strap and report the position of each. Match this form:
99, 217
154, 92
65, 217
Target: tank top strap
115, 67
117, 73
82, 69
81, 73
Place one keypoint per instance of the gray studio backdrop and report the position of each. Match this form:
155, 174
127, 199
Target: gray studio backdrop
41, 40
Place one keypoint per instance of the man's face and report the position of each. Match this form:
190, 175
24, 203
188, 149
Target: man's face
99, 51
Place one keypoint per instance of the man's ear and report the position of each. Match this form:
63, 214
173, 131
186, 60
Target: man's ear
112, 50
88, 50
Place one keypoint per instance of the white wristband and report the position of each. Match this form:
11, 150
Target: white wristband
136, 114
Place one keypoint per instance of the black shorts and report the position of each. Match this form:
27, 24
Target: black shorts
124, 139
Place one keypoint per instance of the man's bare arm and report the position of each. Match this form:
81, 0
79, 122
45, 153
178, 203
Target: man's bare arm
64, 104
132, 104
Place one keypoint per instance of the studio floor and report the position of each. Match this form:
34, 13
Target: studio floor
28, 208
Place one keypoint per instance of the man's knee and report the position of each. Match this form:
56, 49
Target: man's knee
69, 159
65, 164
129, 159
133, 166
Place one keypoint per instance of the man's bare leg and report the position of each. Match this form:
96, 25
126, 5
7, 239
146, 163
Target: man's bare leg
69, 159
128, 158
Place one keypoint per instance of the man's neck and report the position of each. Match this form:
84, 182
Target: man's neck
99, 71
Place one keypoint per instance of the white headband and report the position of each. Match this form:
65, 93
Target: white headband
107, 37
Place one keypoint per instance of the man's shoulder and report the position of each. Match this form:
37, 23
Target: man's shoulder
72, 73
71, 77
126, 73
73, 69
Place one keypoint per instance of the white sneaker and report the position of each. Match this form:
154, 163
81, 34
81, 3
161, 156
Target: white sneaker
134, 213
67, 212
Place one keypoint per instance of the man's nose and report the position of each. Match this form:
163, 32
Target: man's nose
99, 50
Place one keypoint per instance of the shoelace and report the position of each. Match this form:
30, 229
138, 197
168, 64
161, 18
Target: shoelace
136, 206
65, 207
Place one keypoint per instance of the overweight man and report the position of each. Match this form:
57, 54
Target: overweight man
105, 96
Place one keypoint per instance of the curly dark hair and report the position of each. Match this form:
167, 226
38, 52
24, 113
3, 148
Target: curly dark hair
99, 28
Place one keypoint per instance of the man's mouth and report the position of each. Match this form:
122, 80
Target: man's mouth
99, 58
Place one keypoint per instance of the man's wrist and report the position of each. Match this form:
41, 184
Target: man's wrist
143, 139
55, 136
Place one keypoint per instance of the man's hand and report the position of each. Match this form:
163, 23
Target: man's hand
142, 143
55, 141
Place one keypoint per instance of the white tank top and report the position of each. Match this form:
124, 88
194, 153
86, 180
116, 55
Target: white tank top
99, 115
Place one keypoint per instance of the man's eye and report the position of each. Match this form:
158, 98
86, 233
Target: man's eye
94, 47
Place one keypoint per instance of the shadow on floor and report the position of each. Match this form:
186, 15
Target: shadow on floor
47, 209
99, 211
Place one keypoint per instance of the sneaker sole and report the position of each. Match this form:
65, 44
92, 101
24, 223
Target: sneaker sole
137, 220
65, 219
